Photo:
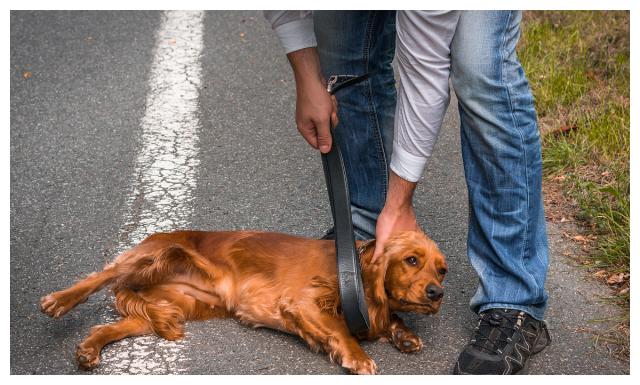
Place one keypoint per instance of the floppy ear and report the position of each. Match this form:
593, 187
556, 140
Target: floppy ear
373, 274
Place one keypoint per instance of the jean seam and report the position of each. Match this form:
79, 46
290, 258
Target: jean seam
524, 150
373, 116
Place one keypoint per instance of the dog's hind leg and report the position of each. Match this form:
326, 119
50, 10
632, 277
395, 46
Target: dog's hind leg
58, 303
88, 352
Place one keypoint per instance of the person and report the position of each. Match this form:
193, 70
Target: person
506, 242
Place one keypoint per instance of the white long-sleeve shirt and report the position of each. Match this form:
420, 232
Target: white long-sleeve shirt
423, 54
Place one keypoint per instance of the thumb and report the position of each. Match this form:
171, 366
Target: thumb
324, 135
377, 253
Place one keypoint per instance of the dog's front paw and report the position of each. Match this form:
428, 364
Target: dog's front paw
88, 358
406, 342
362, 366
52, 305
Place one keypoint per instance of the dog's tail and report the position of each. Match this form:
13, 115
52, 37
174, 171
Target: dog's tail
147, 264
168, 260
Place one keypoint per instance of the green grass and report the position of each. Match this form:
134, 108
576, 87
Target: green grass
577, 63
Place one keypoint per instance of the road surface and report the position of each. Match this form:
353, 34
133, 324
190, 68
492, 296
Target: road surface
126, 123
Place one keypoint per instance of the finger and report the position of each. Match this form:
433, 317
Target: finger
377, 252
308, 132
334, 101
334, 120
324, 135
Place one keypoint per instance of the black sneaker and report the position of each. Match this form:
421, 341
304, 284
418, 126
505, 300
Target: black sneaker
502, 343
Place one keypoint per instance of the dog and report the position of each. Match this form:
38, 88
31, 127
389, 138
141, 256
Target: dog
263, 279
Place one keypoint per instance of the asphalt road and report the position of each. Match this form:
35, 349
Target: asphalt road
76, 137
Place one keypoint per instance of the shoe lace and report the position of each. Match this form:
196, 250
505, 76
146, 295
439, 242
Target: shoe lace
495, 330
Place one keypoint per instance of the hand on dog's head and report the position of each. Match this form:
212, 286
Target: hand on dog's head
410, 273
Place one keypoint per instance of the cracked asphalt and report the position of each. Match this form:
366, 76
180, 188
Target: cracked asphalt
79, 89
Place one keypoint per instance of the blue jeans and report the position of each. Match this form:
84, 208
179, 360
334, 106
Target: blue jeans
507, 240
352, 43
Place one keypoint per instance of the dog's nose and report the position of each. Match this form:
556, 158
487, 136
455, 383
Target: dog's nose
434, 292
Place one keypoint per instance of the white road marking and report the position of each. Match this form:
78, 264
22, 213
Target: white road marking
165, 174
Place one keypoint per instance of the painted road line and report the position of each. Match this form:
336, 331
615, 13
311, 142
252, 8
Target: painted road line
165, 175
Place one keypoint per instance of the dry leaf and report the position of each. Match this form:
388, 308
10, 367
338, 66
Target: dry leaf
563, 130
624, 291
580, 238
242, 35
26, 75
600, 274
615, 279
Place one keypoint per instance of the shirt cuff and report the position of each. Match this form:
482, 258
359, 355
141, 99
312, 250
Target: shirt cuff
408, 166
296, 35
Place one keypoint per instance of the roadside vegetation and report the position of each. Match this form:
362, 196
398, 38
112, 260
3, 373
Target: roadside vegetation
577, 63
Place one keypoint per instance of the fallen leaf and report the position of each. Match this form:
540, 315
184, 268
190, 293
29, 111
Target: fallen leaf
615, 279
600, 274
605, 173
580, 238
563, 130
89, 40
26, 75
560, 178
624, 291
172, 41
242, 35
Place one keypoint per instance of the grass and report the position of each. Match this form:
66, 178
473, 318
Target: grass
577, 63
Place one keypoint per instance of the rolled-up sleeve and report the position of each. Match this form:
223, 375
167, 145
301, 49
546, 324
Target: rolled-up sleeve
293, 28
423, 55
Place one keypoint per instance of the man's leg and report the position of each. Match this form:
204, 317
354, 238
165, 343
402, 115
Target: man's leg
507, 241
352, 43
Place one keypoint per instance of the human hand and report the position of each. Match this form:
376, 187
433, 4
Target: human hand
397, 214
316, 109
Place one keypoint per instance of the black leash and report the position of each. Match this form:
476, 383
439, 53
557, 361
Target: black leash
354, 306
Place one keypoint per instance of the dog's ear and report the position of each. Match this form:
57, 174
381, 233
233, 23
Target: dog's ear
374, 274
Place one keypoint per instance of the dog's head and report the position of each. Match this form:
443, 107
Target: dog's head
409, 276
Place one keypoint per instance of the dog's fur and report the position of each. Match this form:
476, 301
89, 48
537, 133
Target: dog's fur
263, 279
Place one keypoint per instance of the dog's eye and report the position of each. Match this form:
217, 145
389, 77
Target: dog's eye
442, 271
412, 261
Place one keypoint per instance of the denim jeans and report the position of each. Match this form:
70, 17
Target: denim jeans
507, 238
507, 241
352, 43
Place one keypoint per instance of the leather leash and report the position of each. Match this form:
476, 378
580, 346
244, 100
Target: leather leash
354, 306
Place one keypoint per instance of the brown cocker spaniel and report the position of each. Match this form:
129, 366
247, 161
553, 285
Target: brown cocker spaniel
263, 279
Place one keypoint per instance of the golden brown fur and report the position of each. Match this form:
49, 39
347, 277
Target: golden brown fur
263, 279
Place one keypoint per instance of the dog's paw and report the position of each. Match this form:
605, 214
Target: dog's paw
88, 358
407, 342
363, 366
52, 305
59, 303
